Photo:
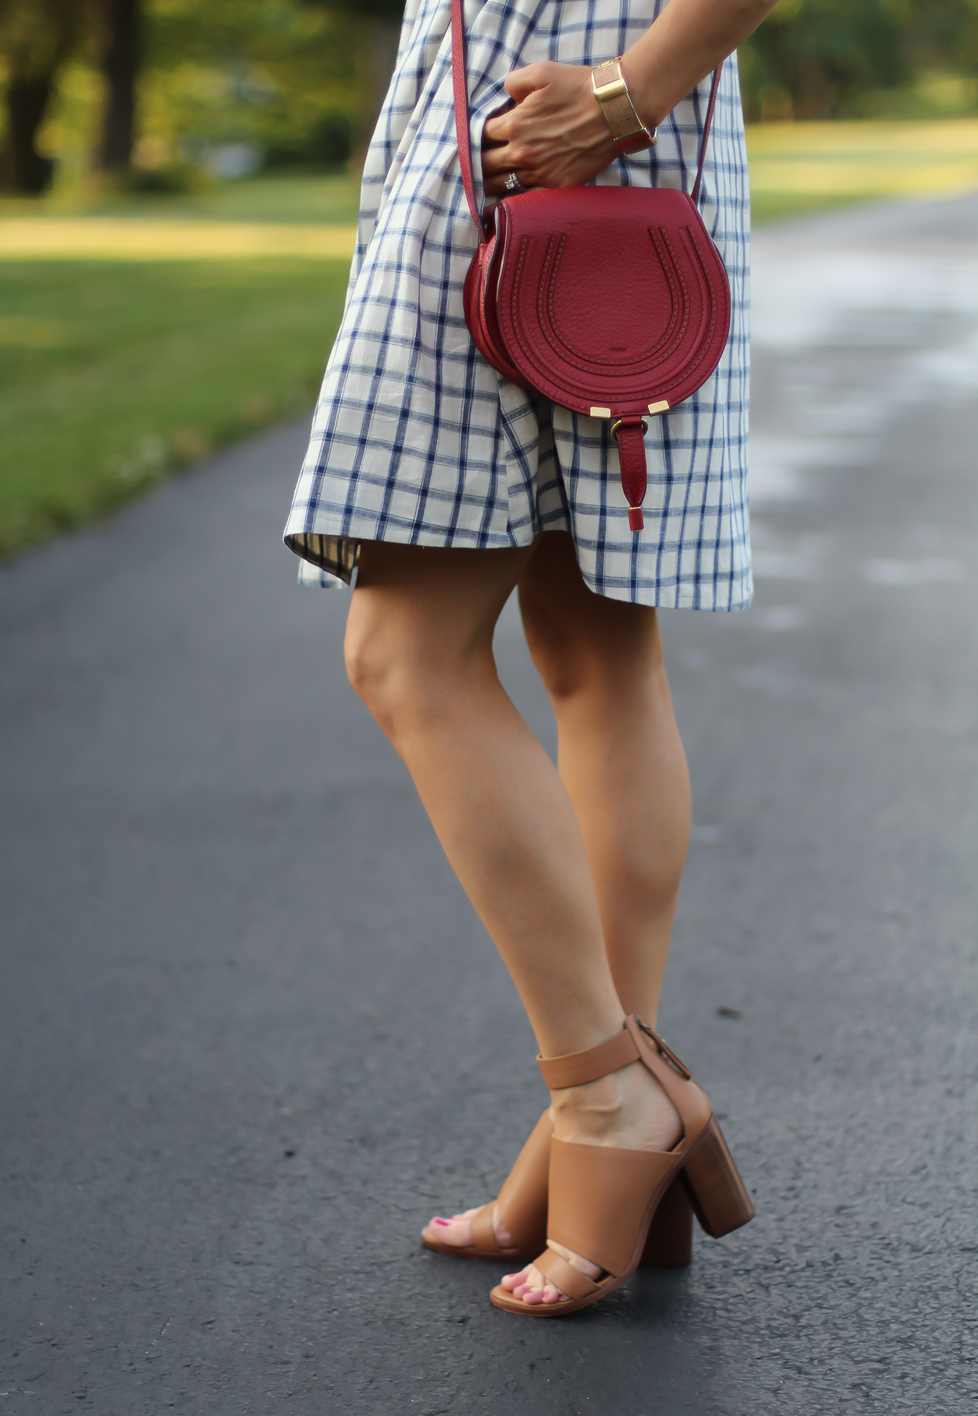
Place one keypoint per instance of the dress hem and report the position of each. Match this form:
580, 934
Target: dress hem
337, 558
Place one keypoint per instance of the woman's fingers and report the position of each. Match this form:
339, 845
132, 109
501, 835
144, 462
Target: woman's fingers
555, 136
496, 160
497, 164
520, 83
496, 129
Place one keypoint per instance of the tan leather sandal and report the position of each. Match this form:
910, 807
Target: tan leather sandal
522, 1205
603, 1199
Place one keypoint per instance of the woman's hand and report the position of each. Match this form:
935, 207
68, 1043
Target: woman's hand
556, 136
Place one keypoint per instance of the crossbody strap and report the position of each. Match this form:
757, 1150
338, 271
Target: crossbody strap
707, 124
460, 89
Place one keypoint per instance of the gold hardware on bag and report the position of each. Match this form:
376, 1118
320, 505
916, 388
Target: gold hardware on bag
617, 424
600, 412
661, 407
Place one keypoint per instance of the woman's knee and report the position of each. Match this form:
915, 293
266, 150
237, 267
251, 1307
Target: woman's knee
590, 649
557, 653
375, 666
401, 670
581, 642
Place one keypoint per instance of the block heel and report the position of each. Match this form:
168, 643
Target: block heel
670, 1241
718, 1195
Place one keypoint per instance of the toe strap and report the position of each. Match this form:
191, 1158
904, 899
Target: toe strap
483, 1234
599, 1196
564, 1275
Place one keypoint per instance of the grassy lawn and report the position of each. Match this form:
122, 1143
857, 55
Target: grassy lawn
136, 334
797, 167
113, 373
119, 366
326, 197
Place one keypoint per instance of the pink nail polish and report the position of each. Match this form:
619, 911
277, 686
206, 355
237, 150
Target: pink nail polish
445, 1222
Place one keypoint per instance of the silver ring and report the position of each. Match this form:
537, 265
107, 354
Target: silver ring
512, 183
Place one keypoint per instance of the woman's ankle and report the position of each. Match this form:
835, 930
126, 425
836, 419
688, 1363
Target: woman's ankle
628, 1107
593, 1110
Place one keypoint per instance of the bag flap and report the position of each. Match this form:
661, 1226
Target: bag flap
609, 297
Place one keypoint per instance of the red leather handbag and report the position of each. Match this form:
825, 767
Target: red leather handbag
611, 301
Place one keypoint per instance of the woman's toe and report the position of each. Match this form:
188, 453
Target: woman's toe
531, 1287
456, 1231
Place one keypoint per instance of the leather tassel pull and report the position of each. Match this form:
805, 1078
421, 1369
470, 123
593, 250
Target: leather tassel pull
629, 433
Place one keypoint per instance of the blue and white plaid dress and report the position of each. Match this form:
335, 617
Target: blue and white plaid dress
416, 439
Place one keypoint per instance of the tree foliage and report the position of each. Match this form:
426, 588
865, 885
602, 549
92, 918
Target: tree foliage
289, 77
818, 58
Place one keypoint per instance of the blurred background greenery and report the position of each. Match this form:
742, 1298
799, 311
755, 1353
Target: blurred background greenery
178, 193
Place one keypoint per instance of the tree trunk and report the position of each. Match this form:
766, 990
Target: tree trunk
121, 67
23, 167
40, 37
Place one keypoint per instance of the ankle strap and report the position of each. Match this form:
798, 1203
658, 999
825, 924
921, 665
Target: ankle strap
576, 1068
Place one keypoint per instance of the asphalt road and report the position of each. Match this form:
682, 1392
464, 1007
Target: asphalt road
251, 1035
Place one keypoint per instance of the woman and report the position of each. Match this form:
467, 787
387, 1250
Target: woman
446, 487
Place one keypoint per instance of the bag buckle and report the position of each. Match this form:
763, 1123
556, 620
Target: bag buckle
665, 1052
616, 427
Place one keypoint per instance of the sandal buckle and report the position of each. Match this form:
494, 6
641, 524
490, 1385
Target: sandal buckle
665, 1052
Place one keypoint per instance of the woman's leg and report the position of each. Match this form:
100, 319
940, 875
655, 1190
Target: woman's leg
419, 652
620, 758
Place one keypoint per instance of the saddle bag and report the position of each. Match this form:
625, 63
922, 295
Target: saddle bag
610, 301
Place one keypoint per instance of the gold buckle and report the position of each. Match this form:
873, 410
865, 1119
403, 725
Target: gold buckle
614, 433
665, 1052
614, 89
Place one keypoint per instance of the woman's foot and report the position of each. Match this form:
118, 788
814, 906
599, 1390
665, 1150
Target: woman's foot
457, 1230
629, 1109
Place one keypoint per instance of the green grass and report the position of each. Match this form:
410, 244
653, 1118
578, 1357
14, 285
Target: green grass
112, 374
798, 167
331, 198
768, 207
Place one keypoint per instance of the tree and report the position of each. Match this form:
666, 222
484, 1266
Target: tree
818, 58
382, 19
36, 37
946, 33
120, 65
291, 79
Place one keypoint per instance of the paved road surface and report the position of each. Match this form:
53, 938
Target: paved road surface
252, 1036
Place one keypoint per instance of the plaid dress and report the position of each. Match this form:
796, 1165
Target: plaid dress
416, 439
